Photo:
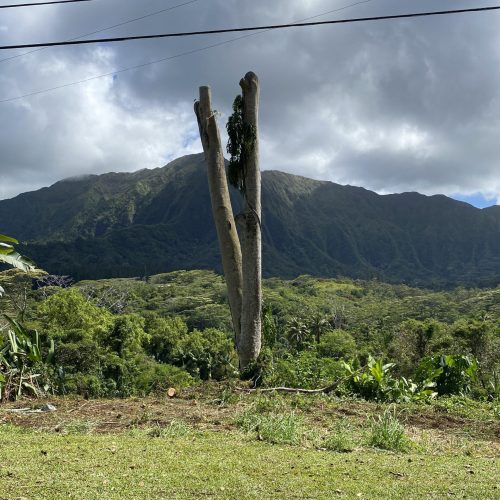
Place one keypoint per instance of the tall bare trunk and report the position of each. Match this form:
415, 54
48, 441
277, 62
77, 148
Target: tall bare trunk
221, 206
250, 344
242, 265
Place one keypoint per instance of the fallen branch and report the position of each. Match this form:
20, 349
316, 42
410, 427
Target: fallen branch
324, 390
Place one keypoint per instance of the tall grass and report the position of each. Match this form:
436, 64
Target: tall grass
388, 433
272, 428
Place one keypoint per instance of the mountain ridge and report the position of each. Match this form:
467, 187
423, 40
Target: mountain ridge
158, 220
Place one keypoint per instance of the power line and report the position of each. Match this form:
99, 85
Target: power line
145, 16
169, 58
252, 28
13, 6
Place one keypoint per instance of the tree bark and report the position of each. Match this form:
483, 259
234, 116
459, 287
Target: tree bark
221, 207
251, 245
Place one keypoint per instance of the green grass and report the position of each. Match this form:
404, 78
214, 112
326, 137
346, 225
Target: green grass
287, 428
388, 433
339, 439
223, 465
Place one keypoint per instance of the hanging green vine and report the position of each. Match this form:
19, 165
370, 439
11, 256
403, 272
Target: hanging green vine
240, 145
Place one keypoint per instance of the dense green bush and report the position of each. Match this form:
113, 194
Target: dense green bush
67, 316
305, 370
337, 344
374, 381
451, 374
157, 378
208, 354
165, 335
101, 354
412, 341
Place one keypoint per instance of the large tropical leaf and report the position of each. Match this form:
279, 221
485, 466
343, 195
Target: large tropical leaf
17, 260
9, 255
8, 239
5, 248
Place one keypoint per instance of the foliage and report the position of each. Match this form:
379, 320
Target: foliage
9, 255
170, 320
23, 363
304, 370
494, 386
164, 336
374, 381
241, 141
207, 354
451, 374
337, 344
156, 378
298, 334
68, 316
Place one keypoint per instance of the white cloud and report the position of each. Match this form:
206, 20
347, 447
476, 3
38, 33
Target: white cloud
393, 106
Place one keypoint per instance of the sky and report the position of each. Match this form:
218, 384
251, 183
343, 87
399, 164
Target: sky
393, 106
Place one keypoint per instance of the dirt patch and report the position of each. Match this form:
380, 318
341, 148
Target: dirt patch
454, 424
116, 415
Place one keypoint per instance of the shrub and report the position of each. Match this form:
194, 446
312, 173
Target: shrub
208, 354
67, 316
412, 341
126, 336
374, 381
87, 385
451, 374
165, 334
337, 344
305, 370
157, 378
78, 357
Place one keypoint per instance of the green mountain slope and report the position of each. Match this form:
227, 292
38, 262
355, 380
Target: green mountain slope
160, 220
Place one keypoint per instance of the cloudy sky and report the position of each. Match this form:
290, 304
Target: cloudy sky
393, 106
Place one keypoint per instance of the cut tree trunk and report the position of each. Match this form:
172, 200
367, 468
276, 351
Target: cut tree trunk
242, 264
251, 244
221, 207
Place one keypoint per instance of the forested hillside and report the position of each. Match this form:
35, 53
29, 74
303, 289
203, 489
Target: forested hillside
151, 221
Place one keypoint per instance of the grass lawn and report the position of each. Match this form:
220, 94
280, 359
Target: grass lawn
71, 455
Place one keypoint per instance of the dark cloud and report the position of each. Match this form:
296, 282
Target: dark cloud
392, 106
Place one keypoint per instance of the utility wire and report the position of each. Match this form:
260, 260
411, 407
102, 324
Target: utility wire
169, 58
145, 16
13, 6
252, 28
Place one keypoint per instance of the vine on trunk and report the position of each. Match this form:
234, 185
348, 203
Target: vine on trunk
242, 137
